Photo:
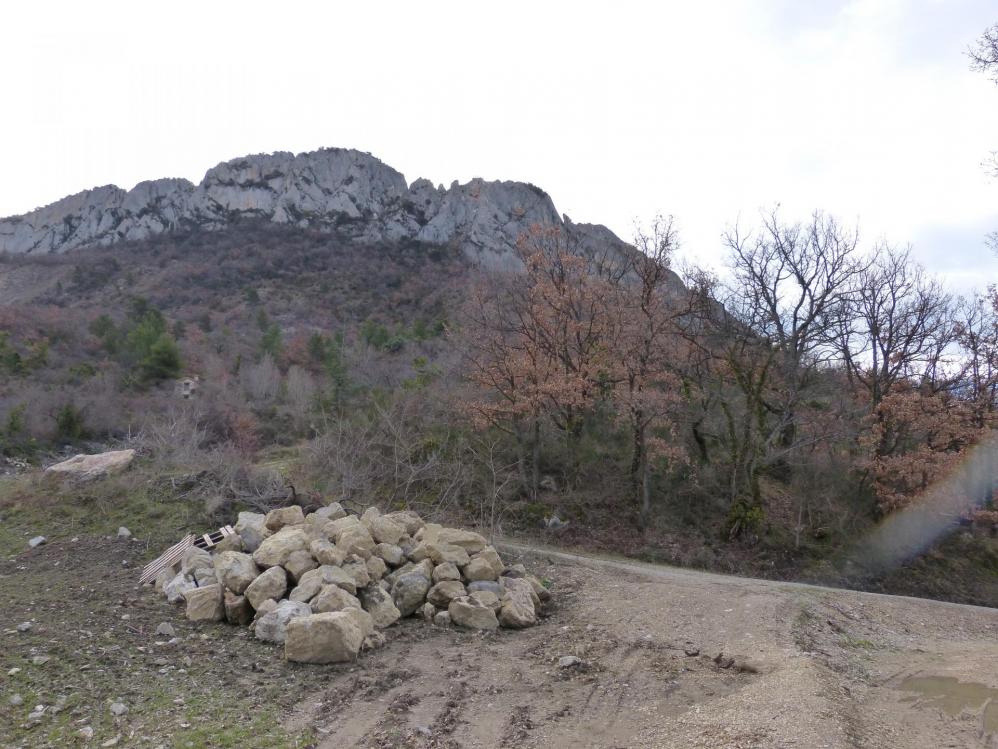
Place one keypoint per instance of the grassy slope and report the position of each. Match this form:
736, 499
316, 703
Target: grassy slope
217, 688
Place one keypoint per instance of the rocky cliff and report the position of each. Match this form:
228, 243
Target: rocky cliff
338, 190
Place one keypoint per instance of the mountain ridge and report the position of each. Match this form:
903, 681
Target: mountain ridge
345, 191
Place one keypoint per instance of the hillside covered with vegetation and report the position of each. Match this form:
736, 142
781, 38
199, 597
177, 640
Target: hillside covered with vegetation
758, 424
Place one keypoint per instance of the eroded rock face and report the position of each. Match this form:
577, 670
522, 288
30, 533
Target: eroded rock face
338, 190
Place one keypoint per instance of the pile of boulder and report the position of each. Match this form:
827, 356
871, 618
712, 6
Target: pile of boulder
324, 584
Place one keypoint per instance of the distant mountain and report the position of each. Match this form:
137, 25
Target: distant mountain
343, 191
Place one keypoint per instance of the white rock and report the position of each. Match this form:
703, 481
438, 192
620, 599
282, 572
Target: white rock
272, 627
93, 466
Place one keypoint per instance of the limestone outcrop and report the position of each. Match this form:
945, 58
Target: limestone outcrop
342, 191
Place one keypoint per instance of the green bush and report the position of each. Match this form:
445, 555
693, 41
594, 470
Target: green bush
69, 424
162, 362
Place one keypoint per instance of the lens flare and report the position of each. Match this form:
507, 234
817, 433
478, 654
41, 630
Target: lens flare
912, 530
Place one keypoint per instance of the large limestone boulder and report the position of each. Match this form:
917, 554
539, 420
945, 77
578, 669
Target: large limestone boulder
282, 516
543, 594
87, 467
329, 575
333, 598
517, 604
196, 558
206, 604
379, 604
299, 562
472, 614
235, 570
385, 530
363, 619
441, 552
470, 541
273, 626
409, 591
357, 569
232, 542
332, 511
331, 637
486, 598
252, 529
444, 592
204, 576
327, 553
491, 556
275, 550
408, 520
237, 609
376, 568
334, 528
389, 553
446, 571
176, 588
270, 584
357, 540
485, 585
479, 569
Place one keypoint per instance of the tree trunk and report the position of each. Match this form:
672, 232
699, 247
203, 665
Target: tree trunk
645, 492
535, 463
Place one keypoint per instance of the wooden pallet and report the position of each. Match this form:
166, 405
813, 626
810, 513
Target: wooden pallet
172, 555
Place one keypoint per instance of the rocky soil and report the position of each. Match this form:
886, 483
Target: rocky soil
625, 655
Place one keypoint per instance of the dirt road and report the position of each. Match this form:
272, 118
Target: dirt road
676, 658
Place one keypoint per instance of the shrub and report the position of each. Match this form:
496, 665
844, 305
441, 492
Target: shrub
69, 424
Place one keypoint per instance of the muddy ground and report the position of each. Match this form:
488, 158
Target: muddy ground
667, 658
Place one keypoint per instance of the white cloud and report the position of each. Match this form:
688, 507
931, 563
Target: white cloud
704, 110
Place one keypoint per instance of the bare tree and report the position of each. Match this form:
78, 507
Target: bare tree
984, 53
984, 59
789, 286
647, 349
894, 326
301, 394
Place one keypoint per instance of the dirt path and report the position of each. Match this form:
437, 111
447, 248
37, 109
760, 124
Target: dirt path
676, 658
668, 658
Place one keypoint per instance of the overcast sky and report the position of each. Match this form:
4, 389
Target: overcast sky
706, 110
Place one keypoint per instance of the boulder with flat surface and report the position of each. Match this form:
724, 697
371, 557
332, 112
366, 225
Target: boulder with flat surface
330, 637
282, 516
87, 467
471, 614
205, 604
235, 570
270, 584
276, 549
